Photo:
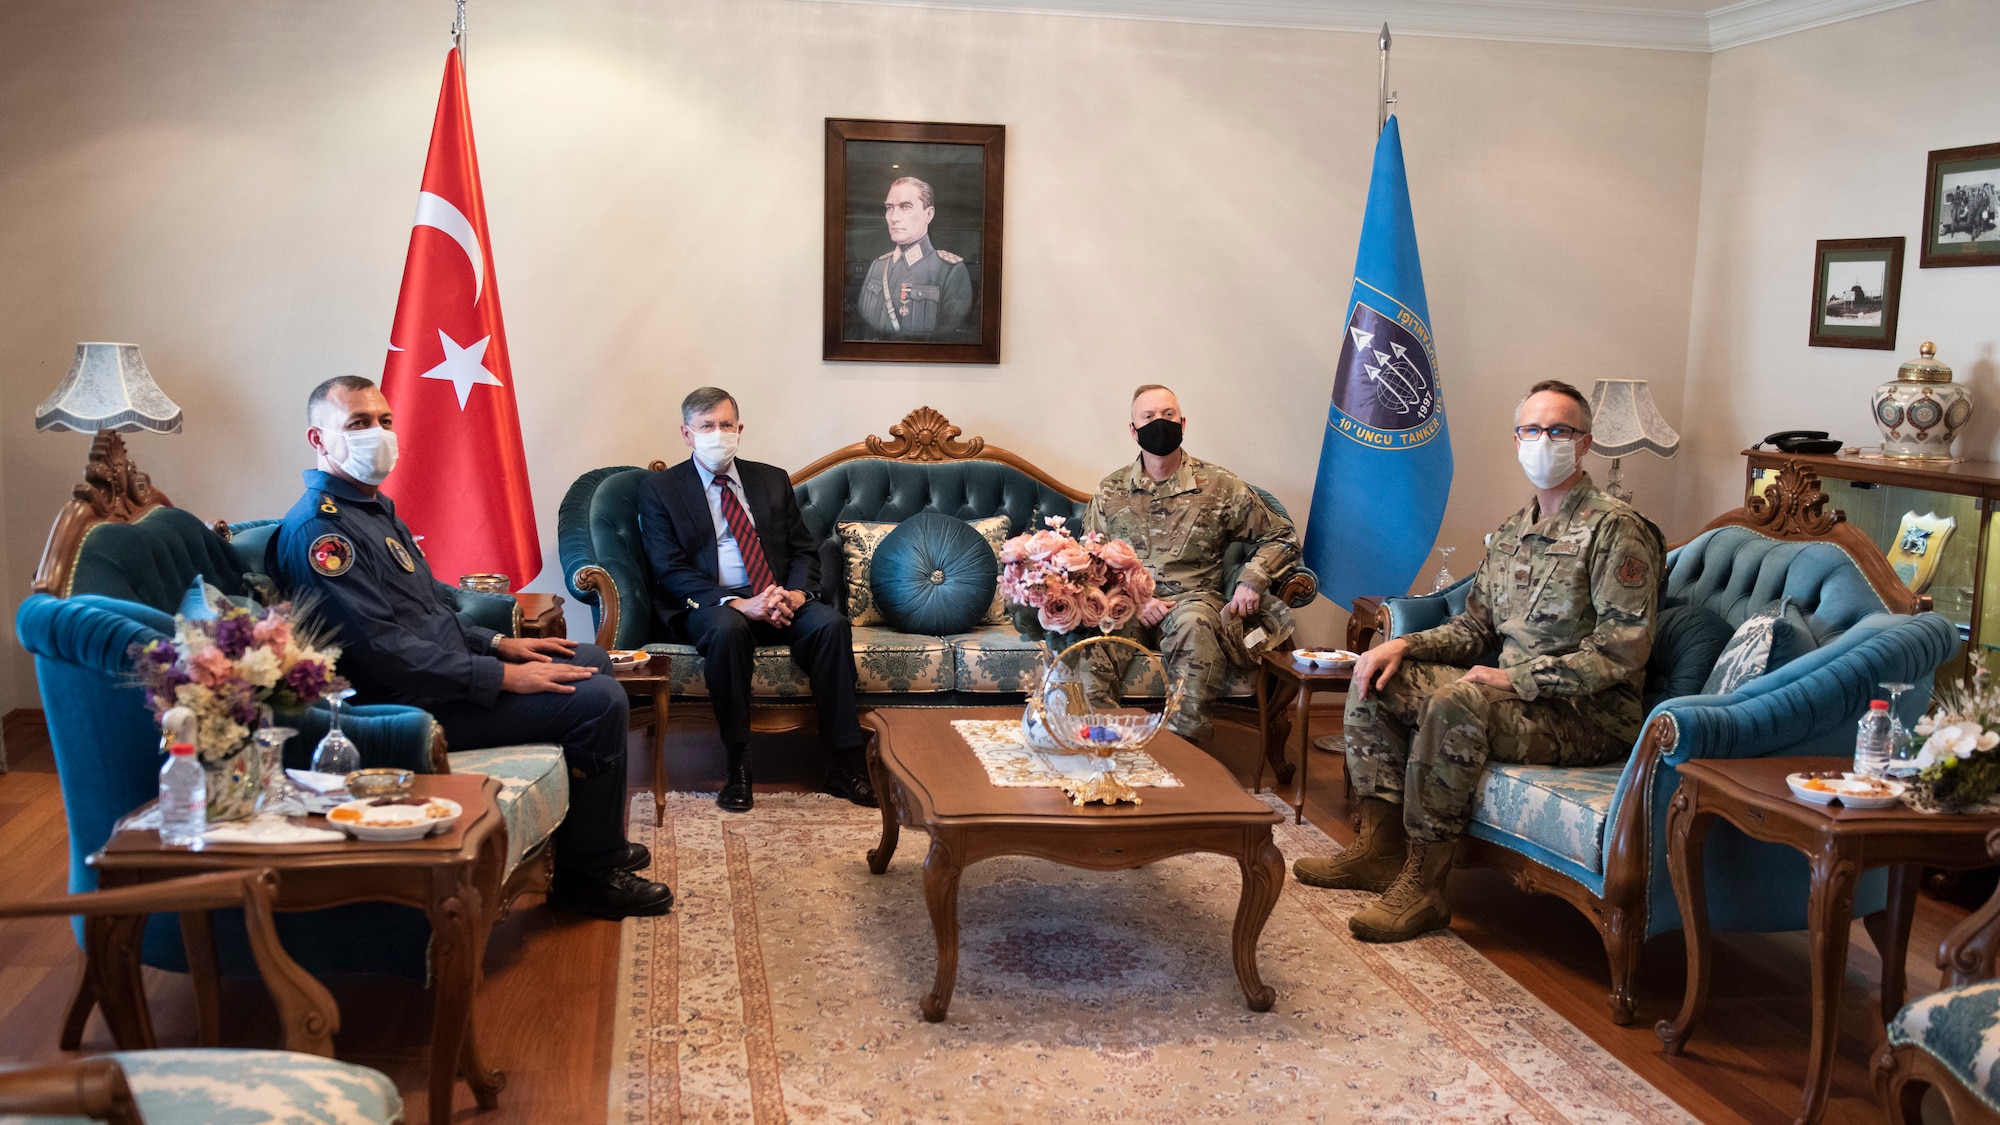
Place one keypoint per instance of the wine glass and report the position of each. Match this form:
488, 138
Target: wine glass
1444, 577
1902, 751
279, 797
336, 753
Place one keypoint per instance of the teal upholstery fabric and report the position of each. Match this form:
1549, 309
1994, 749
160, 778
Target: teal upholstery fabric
1960, 1028
534, 791
236, 1087
1807, 707
151, 560
1686, 644
933, 575
1561, 810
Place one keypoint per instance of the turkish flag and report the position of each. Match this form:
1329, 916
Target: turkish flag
462, 480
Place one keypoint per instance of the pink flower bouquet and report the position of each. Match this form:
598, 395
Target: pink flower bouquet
227, 665
1072, 582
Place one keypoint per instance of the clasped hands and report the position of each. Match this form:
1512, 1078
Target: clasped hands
773, 605
1243, 603
1373, 669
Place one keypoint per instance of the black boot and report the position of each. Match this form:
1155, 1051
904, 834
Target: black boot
736, 795
610, 894
635, 857
590, 848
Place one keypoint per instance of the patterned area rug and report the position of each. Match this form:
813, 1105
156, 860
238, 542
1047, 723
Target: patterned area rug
784, 988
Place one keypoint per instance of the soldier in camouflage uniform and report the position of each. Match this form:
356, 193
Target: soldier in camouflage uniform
1567, 594
1180, 514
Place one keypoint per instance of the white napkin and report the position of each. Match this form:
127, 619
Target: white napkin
318, 782
270, 830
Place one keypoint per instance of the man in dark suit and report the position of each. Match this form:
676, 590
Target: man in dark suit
734, 567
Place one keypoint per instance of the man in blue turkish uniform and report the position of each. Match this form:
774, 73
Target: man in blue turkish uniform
343, 553
734, 566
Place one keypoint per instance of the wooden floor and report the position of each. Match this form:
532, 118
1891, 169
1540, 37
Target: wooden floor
547, 1003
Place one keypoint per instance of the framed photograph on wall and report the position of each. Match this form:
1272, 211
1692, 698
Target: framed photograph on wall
1857, 283
913, 226
1961, 208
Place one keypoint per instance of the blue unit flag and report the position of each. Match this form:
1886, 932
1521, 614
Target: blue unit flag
1385, 459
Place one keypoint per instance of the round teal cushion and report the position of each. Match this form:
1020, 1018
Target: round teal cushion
933, 575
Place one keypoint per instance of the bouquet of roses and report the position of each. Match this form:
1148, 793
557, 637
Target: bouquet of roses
1958, 757
1073, 583
226, 665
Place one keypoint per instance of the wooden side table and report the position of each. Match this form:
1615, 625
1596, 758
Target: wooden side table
1280, 681
646, 684
454, 877
1841, 843
541, 615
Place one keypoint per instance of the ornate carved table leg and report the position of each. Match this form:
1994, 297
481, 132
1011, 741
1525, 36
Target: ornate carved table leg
486, 1082
1284, 689
1829, 911
885, 796
1263, 881
455, 913
1892, 936
80, 1008
198, 940
1305, 751
656, 735
112, 945
1687, 833
941, 872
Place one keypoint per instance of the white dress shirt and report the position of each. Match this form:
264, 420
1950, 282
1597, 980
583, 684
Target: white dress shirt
729, 570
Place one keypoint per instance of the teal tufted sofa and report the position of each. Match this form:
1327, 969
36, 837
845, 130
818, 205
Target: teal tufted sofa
117, 564
923, 467
1596, 836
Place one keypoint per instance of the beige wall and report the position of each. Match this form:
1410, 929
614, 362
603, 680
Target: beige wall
230, 185
1823, 134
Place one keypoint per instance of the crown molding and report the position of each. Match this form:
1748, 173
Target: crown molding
1520, 21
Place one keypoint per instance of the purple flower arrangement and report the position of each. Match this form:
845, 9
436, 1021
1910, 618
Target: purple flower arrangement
226, 667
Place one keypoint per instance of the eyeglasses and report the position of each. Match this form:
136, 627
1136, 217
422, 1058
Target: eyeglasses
1556, 433
711, 427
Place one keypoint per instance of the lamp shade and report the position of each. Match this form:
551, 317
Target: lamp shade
1625, 421
109, 388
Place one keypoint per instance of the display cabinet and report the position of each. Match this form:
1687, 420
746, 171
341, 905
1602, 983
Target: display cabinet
1933, 521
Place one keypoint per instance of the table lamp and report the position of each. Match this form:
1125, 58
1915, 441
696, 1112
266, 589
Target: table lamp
1623, 422
109, 388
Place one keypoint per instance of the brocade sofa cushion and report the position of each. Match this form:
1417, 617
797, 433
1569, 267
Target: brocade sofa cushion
884, 660
534, 791
997, 658
1777, 635
1960, 1028
206, 1087
934, 575
1561, 808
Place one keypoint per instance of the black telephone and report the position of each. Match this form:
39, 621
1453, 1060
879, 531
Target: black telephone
1801, 441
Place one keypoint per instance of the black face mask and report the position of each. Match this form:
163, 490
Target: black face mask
1160, 436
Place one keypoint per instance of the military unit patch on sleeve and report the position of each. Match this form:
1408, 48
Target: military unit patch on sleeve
326, 506
331, 555
400, 554
1632, 572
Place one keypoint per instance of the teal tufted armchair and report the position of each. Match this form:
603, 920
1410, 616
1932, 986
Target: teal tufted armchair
1596, 836
923, 467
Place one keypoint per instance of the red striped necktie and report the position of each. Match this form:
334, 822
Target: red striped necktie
755, 568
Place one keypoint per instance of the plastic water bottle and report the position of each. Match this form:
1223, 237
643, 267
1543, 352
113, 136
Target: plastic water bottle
183, 798
1871, 741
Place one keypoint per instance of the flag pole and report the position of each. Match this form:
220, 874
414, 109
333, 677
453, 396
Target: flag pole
458, 31
1387, 98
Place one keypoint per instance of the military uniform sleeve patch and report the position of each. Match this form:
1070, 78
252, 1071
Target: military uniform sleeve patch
326, 506
1632, 572
331, 555
401, 555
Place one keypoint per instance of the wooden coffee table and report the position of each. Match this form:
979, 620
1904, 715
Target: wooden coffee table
928, 777
454, 877
1841, 843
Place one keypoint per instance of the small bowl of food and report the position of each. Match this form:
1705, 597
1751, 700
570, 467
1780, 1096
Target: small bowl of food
1335, 658
1851, 789
390, 819
626, 659
365, 784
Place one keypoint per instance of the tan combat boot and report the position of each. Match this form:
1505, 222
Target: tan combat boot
1415, 903
1371, 862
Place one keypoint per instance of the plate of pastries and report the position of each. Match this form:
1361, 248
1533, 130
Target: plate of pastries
390, 819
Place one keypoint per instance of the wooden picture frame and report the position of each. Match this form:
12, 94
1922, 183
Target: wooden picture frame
1961, 208
1857, 292
914, 218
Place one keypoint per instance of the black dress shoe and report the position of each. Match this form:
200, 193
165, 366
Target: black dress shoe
634, 858
851, 783
610, 894
735, 795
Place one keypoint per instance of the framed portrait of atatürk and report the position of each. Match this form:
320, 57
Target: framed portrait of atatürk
1857, 286
1961, 208
913, 226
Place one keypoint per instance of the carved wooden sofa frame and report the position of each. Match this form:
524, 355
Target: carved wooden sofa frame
1793, 510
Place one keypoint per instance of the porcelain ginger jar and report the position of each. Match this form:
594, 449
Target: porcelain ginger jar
1921, 410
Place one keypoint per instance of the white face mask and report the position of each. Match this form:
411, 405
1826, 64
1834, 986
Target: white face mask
370, 454
1547, 462
715, 449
